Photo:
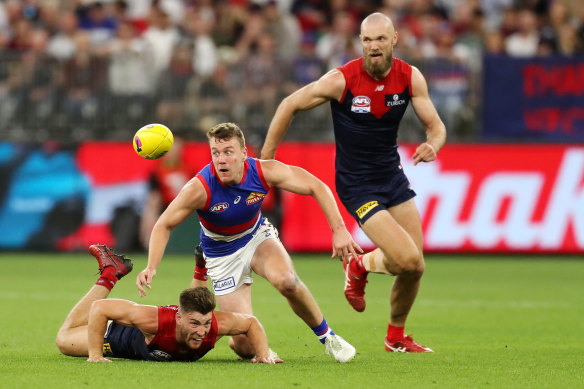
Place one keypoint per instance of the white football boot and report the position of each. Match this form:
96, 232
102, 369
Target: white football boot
339, 348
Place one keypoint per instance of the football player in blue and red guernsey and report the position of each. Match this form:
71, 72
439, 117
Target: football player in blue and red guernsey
368, 98
236, 238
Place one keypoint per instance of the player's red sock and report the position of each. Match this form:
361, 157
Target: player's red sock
357, 267
394, 333
108, 278
200, 273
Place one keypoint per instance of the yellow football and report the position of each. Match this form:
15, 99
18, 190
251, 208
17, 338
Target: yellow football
153, 141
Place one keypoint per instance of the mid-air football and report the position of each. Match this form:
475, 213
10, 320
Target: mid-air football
153, 141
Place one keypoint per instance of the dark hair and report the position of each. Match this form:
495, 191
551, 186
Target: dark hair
197, 299
226, 131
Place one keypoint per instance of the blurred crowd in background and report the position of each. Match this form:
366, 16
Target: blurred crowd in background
76, 70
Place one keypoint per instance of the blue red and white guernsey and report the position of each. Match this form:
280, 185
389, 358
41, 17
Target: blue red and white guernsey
366, 120
232, 213
128, 342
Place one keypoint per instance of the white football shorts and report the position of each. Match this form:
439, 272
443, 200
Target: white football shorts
228, 273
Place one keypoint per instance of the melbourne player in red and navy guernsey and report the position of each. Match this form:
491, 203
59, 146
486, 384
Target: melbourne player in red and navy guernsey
368, 98
237, 240
128, 342
366, 120
98, 327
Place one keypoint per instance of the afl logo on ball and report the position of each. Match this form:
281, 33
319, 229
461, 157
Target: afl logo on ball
361, 104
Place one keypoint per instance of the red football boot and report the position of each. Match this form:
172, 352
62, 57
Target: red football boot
406, 345
106, 257
355, 287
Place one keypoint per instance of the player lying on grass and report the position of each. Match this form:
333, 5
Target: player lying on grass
98, 327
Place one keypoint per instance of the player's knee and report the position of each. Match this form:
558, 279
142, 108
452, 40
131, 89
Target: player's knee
410, 263
62, 343
287, 283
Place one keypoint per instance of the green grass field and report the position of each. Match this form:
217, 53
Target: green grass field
492, 321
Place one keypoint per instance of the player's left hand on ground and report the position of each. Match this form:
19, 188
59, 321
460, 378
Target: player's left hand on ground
266, 360
424, 153
344, 245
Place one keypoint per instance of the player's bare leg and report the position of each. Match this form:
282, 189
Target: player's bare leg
272, 262
404, 259
401, 257
240, 302
72, 336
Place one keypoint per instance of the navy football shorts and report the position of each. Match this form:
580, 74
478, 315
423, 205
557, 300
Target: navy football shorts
369, 199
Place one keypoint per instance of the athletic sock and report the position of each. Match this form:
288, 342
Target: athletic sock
395, 333
108, 278
200, 273
322, 331
357, 267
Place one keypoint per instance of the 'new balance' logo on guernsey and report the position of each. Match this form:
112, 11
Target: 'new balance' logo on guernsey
379, 88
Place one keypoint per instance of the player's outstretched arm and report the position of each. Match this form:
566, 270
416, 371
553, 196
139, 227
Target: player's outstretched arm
328, 87
229, 323
128, 313
426, 112
297, 180
191, 197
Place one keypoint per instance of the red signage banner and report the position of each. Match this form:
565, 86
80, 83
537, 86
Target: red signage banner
474, 198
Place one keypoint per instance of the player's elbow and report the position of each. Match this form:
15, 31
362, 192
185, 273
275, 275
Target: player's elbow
97, 309
288, 106
161, 227
254, 323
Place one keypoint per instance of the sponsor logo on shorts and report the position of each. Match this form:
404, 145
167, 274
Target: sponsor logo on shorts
365, 208
361, 104
219, 207
254, 197
392, 101
107, 350
225, 284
